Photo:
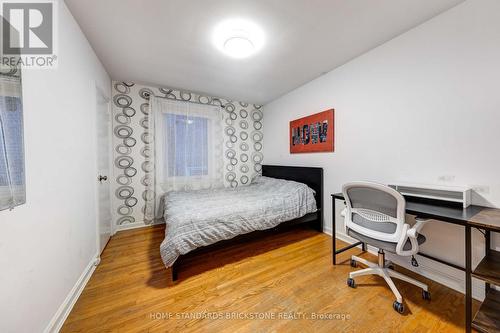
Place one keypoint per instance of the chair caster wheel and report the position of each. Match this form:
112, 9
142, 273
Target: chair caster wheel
426, 295
398, 307
354, 263
351, 283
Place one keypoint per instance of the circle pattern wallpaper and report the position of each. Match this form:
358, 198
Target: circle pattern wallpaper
133, 167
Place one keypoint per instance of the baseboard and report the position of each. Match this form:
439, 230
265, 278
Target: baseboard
137, 225
64, 310
443, 274
131, 226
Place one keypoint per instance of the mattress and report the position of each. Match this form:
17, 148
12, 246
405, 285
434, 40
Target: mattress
199, 218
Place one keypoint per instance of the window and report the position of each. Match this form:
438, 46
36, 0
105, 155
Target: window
187, 139
12, 179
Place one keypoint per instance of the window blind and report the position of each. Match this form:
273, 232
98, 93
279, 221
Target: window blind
12, 172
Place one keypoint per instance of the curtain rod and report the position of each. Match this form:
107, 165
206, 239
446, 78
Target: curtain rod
194, 102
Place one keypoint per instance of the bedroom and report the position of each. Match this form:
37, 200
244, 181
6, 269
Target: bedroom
186, 165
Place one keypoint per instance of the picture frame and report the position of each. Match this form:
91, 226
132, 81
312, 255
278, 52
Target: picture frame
313, 134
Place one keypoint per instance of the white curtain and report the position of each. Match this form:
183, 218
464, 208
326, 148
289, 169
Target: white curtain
184, 149
12, 179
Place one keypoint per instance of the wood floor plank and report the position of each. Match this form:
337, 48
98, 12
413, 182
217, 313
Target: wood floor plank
287, 277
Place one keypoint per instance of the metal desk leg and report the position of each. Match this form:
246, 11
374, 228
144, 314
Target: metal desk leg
487, 250
468, 279
334, 234
334, 238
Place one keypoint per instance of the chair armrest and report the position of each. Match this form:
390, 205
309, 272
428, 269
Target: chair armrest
415, 229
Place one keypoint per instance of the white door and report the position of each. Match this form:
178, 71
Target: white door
104, 169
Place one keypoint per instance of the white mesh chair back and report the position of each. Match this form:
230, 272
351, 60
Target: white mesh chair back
374, 210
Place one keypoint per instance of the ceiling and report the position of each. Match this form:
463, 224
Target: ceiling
168, 42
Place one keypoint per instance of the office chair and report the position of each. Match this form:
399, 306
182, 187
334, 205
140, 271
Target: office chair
375, 215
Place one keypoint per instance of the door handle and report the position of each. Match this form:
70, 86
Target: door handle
102, 178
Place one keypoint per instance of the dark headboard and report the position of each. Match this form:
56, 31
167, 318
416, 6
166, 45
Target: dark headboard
312, 177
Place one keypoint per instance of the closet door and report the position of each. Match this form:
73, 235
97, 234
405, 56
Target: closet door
103, 125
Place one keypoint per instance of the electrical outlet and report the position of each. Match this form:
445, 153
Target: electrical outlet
483, 189
446, 178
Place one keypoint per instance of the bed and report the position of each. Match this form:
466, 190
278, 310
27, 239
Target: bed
283, 196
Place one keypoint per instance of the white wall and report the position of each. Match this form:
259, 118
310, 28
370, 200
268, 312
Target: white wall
422, 106
46, 244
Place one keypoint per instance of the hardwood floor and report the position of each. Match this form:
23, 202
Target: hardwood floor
279, 275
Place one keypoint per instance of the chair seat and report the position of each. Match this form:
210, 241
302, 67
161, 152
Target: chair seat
386, 246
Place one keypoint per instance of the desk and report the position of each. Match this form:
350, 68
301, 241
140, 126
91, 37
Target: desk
486, 219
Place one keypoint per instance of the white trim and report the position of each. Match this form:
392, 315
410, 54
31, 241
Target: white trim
137, 225
64, 310
445, 275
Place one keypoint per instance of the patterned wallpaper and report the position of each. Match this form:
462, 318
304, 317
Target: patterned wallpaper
242, 144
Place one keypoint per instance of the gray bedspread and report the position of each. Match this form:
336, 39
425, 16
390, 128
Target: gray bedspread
200, 218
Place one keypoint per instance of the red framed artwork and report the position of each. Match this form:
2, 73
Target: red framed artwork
313, 134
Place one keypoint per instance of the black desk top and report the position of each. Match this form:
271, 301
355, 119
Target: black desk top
476, 216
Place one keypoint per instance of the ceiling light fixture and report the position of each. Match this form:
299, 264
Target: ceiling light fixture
238, 38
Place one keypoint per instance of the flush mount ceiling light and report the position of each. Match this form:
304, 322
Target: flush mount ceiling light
238, 38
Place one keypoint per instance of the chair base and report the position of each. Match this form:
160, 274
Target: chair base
382, 269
